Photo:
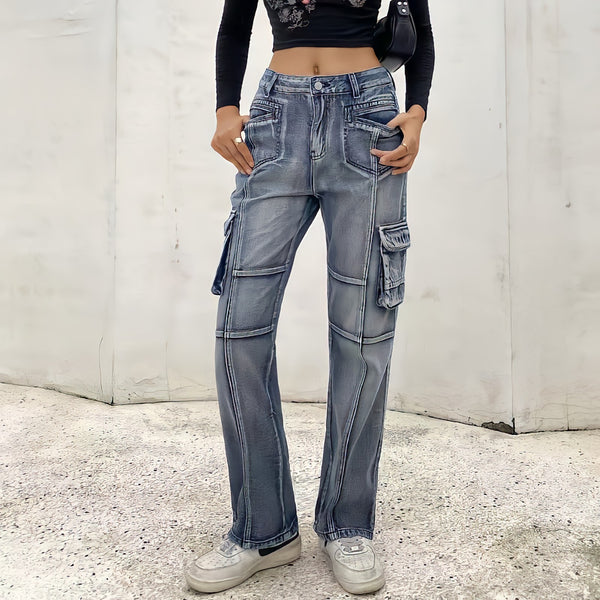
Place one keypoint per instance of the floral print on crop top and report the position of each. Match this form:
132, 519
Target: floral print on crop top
345, 23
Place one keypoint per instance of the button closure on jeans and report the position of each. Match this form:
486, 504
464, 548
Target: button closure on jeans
318, 85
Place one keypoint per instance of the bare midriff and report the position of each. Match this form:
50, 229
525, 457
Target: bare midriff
310, 60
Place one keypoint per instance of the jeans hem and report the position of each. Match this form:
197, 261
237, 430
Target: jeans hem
345, 532
274, 541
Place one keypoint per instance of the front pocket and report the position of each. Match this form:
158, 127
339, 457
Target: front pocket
263, 130
217, 286
263, 109
394, 239
376, 113
365, 128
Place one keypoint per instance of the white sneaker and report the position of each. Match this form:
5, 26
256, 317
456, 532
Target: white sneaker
354, 563
230, 564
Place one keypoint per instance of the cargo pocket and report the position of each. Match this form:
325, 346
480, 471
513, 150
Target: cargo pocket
394, 239
217, 286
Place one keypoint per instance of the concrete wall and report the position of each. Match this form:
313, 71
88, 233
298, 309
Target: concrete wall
112, 205
57, 194
553, 61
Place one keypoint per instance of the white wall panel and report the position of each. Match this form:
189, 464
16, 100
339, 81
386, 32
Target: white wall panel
554, 133
452, 349
57, 140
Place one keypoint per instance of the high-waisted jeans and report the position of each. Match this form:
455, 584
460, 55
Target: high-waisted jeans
310, 138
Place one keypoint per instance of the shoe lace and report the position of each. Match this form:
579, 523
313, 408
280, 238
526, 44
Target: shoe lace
352, 545
227, 545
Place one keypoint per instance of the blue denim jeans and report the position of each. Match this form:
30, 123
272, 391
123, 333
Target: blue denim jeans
310, 138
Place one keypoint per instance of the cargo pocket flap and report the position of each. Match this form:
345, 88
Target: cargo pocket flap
395, 236
217, 286
228, 221
394, 241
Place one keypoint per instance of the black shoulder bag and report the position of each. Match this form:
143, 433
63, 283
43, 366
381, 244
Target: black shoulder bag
395, 36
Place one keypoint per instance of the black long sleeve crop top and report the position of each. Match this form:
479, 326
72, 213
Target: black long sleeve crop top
345, 23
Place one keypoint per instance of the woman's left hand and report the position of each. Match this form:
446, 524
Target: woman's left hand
403, 157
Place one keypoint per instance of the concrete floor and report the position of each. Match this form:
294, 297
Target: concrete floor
108, 502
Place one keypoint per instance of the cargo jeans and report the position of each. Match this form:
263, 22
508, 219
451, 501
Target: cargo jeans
310, 138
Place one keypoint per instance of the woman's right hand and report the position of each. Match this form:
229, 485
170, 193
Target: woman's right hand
229, 126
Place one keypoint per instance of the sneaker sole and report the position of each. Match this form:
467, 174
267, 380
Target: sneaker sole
354, 587
283, 556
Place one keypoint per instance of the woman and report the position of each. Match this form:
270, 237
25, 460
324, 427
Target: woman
324, 131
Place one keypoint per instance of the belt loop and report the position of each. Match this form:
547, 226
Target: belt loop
270, 81
354, 84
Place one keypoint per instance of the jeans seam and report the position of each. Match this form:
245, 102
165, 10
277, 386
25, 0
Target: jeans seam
325, 483
233, 383
333, 534
385, 382
268, 377
243, 333
350, 423
344, 278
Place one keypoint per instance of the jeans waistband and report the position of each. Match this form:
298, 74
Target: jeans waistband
353, 82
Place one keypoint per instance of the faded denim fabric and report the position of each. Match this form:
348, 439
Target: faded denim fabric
310, 138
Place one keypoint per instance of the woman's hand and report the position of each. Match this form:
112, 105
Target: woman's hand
229, 126
403, 157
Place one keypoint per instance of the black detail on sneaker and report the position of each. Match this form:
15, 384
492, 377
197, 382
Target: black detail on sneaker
265, 551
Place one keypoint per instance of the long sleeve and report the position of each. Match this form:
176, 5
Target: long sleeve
418, 70
231, 56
